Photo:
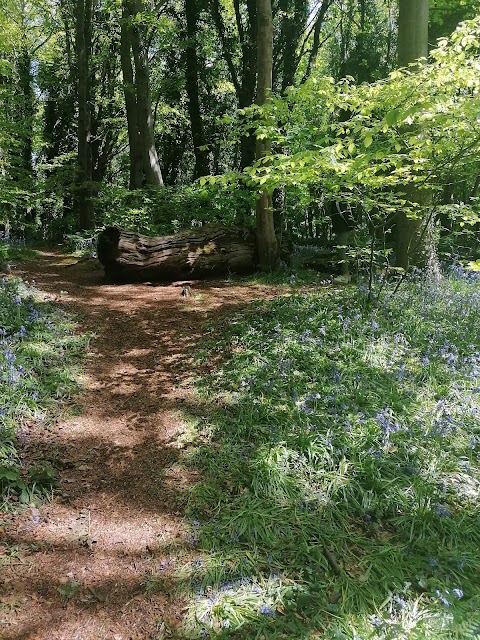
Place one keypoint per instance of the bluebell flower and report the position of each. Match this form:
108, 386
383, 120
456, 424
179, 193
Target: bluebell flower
441, 510
375, 622
442, 597
267, 611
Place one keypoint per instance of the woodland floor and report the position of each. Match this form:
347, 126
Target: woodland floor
78, 568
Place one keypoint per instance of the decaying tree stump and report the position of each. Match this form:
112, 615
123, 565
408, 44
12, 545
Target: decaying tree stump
202, 252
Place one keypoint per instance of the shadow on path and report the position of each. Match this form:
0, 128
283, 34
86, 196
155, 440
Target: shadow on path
79, 567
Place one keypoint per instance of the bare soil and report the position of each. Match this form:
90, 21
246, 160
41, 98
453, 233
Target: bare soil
79, 567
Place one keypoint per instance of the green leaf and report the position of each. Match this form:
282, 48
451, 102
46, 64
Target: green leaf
392, 117
368, 140
9, 474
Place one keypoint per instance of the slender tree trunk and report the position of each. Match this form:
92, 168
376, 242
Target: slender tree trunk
83, 32
414, 237
321, 16
243, 78
412, 31
191, 84
130, 94
144, 162
293, 25
248, 77
26, 116
266, 239
151, 163
27, 106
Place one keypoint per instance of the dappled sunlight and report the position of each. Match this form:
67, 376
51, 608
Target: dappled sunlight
92, 557
104, 605
331, 479
344, 464
97, 532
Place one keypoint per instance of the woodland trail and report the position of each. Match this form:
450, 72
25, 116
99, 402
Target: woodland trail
79, 568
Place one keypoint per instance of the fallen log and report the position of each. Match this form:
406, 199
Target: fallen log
196, 253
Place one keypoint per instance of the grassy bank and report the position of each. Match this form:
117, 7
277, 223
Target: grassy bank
341, 469
39, 361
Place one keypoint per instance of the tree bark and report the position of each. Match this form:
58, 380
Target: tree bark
191, 84
25, 136
294, 18
203, 252
131, 107
414, 236
83, 35
249, 45
266, 238
412, 31
151, 163
243, 78
144, 163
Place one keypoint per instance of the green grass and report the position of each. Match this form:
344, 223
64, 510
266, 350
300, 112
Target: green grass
341, 476
10, 252
40, 357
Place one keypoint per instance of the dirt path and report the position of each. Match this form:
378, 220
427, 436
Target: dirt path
78, 569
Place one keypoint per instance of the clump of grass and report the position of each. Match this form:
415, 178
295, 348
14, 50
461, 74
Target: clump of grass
39, 358
341, 492
13, 250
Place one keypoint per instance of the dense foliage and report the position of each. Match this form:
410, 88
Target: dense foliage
342, 128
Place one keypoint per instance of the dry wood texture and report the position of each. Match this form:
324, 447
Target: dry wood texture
203, 252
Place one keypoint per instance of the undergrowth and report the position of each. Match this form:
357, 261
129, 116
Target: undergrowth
341, 476
39, 358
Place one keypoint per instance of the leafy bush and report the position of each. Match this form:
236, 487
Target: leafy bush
169, 209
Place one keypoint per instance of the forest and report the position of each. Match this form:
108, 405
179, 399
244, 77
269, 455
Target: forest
239, 301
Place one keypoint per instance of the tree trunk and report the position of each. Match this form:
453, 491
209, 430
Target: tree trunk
319, 22
191, 84
131, 107
144, 162
26, 117
243, 78
249, 44
266, 239
412, 31
151, 164
83, 32
203, 252
294, 19
414, 237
